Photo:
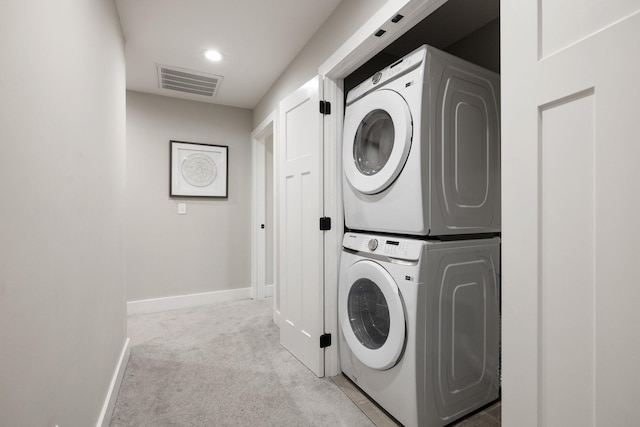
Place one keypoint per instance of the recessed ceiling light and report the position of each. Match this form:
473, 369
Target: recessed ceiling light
213, 55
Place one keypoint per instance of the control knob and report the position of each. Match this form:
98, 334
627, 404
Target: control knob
373, 244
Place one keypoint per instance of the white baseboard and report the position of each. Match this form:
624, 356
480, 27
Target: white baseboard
185, 301
268, 291
110, 402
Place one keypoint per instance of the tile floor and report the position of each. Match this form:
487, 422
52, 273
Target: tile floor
487, 417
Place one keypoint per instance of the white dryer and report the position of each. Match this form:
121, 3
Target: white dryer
421, 148
419, 324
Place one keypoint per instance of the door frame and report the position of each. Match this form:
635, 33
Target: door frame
358, 49
259, 288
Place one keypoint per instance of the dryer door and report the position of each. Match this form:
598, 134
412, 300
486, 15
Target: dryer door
376, 140
372, 315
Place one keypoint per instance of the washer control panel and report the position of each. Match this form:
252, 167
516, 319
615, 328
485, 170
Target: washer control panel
392, 247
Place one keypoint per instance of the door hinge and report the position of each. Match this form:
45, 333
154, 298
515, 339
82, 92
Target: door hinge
325, 223
325, 107
325, 340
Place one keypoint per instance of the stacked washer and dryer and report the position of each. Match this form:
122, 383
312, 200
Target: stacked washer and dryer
419, 274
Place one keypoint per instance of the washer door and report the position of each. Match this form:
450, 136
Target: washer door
371, 315
377, 139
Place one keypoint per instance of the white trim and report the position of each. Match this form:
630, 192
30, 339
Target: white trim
258, 202
275, 218
263, 129
185, 301
268, 290
114, 388
268, 126
332, 208
359, 38
363, 44
258, 217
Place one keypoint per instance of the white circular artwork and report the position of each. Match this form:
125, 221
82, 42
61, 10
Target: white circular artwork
199, 170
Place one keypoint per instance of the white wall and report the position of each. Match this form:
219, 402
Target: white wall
345, 20
62, 136
209, 248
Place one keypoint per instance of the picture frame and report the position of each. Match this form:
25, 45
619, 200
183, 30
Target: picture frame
198, 170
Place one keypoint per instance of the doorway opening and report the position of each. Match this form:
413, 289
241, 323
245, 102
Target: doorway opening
263, 227
469, 29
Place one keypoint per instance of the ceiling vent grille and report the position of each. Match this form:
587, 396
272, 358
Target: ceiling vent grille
188, 81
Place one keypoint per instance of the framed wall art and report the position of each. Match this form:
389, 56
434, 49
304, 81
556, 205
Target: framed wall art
198, 170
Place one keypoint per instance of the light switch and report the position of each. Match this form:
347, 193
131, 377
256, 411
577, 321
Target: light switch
182, 208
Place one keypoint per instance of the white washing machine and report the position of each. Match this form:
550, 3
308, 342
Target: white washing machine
421, 148
419, 324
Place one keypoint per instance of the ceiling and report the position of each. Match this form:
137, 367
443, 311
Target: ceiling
258, 38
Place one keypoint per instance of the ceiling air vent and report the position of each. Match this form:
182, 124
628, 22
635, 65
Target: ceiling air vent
188, 81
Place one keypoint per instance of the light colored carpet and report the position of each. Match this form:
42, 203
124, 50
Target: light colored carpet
222, 365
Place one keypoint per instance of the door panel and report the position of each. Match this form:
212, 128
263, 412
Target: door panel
301, 241
570, 223
566, 22
567, 225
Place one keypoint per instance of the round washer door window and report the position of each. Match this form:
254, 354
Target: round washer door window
377, 140
368, 313
372, 315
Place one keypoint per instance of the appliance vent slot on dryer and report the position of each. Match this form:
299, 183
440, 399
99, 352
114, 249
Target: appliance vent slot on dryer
188, 81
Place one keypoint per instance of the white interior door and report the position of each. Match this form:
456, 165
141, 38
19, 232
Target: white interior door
570, 150
300, 177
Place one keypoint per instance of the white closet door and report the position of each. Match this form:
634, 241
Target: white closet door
571, 222
301, 241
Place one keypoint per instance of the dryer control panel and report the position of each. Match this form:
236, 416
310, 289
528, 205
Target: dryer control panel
392, 247
402, 66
